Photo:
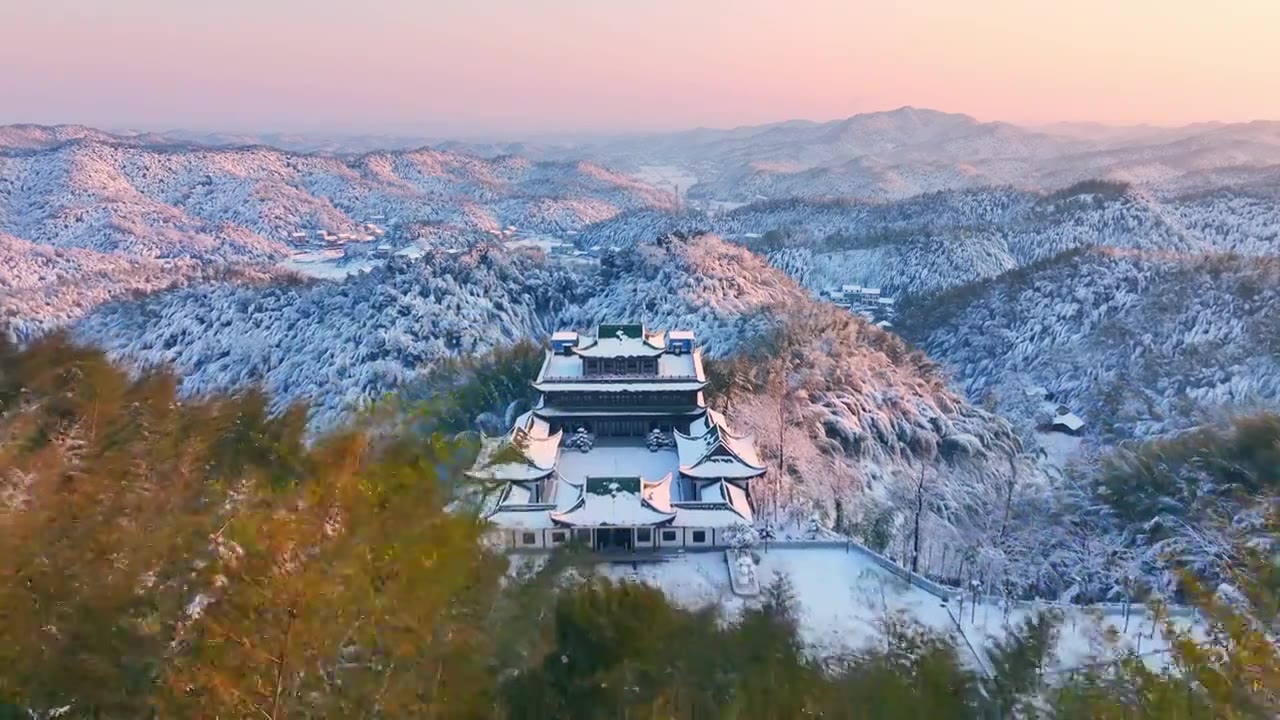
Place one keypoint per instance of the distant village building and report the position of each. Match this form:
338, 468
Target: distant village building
621, 452
868, 302
1065, 421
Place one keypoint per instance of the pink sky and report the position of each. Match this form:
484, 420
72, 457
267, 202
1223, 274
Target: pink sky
475, 67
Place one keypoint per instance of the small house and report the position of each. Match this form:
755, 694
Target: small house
1067, 422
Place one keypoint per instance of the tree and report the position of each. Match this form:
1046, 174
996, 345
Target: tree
915, 523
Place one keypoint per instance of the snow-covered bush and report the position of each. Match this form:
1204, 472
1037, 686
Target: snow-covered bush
742, 536
580, 440
658, 440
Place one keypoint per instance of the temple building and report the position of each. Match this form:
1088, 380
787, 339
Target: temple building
620, 453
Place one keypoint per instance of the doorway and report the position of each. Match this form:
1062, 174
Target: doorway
614, 539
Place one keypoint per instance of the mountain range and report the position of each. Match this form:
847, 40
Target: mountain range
90, 219
1128, 272
890, 154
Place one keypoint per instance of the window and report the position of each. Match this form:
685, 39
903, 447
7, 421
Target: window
644, 535
699, 536
582, 536
557, 536
529, 539
668, 536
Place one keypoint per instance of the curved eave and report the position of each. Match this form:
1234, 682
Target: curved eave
708, 472
509, 472
548, 450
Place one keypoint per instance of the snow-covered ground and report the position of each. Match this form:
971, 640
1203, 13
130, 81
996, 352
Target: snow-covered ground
667, 177
1059, 449
327, 264
546, 243
844, 598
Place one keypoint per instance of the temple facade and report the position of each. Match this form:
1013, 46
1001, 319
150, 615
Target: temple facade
620, 453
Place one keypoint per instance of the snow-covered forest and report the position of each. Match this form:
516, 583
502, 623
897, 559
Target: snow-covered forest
339, 346
1139, 344
938, 241
247, 203
1143, 301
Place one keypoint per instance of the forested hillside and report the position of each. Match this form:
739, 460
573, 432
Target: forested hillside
1139, 344
246, 203
340, 346
175, 558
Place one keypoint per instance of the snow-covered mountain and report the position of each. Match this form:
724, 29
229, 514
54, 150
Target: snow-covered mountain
937, 241
882, 155
905, 152
1130, 272
246, 203
128, 210
1013, 290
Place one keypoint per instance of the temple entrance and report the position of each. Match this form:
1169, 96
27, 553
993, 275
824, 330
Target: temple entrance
621, 427
613, 539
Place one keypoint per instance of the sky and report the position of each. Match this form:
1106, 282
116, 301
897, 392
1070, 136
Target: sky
476, 68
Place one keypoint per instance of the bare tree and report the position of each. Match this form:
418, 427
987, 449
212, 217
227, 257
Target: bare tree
915, 542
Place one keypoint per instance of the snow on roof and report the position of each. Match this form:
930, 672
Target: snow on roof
851, 288
614, 458
622, 340
618, 347
530, 518
657, 494
629, 385
720, 504
670, 364
1036, 391
718, 453
886, 301
680, 335
560, 366
737, 499
528, 452
508, 471
682, 365
539, 451
1070, 420
518, 494
707, 517
613, 501
666, 411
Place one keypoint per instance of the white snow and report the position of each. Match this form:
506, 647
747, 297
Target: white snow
1059, 449
680, 365
843, 599
612, 501
327, 264
609, 458
546, 243
667, 177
